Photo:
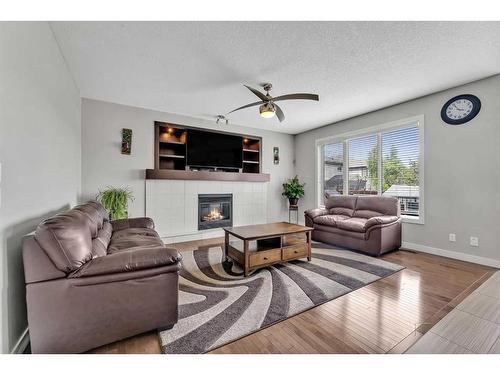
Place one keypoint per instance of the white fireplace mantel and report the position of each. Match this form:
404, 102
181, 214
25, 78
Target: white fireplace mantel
173, 205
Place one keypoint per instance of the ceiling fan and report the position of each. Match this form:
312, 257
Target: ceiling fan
268, 108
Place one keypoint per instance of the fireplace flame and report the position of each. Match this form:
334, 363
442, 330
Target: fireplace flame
214, 214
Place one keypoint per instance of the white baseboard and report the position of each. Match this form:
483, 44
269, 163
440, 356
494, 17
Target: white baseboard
452, 254
21, 343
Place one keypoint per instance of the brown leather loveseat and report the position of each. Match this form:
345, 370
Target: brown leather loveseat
90, 281
368, 224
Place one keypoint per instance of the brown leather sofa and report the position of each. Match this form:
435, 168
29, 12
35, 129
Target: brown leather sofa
368, 224
90, 281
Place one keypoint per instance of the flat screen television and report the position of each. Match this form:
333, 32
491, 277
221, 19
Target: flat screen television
207, 149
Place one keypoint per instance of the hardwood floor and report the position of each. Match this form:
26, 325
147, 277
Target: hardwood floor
387, 316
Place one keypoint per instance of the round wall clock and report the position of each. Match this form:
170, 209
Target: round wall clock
460, 109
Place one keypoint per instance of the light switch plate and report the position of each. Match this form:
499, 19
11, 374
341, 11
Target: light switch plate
452, 237
474, 241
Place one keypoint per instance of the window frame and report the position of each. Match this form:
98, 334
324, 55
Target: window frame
344, 138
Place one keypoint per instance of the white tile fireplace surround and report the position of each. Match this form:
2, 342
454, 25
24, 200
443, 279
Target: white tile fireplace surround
173, 205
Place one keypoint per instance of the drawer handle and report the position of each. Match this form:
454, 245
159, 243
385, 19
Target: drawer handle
265, 258
296, 252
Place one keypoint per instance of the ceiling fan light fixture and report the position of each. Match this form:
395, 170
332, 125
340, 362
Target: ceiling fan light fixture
267, 110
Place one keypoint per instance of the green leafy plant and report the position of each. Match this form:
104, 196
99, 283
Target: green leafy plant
293, 189
395, 172
115, 201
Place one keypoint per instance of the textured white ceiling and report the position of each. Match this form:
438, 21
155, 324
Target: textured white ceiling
198, 68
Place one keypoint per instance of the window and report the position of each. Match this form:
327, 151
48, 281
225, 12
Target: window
384, 160
400, 161
363, 165
333, 169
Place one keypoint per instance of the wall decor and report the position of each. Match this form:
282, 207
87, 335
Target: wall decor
126, 141
460, 109
276, 155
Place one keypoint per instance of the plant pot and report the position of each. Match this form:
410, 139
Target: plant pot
293, 201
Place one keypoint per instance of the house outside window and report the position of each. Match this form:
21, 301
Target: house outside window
386, 160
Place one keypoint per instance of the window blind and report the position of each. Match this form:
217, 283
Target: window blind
400, 167
363, 165
386, 162
333, 169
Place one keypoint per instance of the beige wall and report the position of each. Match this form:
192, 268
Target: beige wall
462, 174
103, 164
39, 152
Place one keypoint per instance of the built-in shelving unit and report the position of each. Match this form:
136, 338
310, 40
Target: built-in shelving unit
172, 156
170, 147
251, 155
172, 141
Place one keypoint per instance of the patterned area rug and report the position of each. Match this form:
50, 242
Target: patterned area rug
218, 305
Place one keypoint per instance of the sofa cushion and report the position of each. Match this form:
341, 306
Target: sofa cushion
314, 212
366, 214
95, 219
341, 211
100, 208
338, 231
67, 240
98, 248
134, 232
133, 238
330, 220
355, 224
341, 205
381, 220
136, 222
101, 242
129, 261
367, 207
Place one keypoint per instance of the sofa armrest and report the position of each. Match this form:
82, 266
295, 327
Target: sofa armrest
136, 222
129, 261
381, 220
37, 265
312, 213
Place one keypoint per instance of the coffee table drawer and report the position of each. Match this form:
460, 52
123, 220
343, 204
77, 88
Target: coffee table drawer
265, 257
296, 251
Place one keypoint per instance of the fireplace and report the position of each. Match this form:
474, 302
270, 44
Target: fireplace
215, 211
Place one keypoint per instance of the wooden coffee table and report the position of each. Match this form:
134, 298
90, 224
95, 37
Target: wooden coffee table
257, 246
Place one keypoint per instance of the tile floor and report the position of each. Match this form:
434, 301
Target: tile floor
472, 327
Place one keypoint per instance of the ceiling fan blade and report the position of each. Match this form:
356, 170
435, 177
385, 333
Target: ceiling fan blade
299, 96
260, 95
279, 113
245, 106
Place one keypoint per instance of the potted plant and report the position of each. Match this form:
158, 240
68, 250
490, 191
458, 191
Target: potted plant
293, 190
115, 201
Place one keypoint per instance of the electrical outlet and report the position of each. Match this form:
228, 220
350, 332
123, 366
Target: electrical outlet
452, 237
474, 241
